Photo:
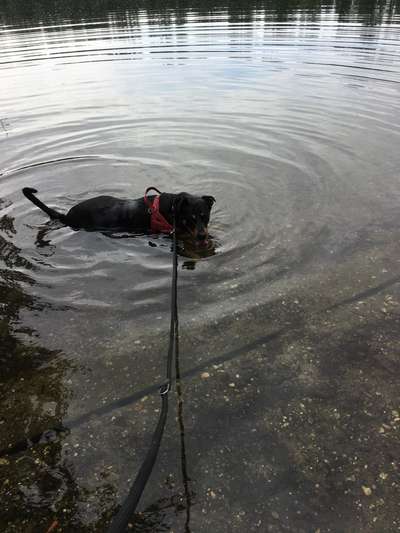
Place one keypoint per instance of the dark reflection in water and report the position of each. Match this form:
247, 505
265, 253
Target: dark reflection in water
13, 299
166, 12
188, 249
32, 396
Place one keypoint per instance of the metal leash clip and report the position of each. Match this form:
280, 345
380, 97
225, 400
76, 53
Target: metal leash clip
167, 387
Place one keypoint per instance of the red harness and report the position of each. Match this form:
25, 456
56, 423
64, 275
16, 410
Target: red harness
158, 223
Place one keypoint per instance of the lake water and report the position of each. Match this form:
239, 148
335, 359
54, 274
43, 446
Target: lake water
289, 114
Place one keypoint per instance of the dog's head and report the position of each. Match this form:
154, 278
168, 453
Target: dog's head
192, 215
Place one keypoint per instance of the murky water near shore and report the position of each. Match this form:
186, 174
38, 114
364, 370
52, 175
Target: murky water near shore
290, 117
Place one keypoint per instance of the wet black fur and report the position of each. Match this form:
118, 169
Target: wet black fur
102, 213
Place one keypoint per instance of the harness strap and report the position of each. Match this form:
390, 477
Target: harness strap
158, 222
146, 200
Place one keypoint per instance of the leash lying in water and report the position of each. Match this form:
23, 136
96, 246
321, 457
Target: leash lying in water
121, 520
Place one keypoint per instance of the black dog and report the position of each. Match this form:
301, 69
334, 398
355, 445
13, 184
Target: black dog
153, 214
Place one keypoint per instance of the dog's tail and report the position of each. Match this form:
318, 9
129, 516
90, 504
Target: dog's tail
29, 193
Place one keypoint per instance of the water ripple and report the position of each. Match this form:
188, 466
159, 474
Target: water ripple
272, 127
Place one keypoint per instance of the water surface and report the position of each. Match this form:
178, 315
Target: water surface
289, 115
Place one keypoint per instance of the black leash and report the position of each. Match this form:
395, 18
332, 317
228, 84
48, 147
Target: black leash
124, 515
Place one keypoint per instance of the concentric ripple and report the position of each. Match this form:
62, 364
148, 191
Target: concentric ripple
281, 121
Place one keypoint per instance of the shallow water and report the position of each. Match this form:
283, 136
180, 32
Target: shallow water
290, 117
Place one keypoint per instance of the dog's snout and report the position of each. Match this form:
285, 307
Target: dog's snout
202, 236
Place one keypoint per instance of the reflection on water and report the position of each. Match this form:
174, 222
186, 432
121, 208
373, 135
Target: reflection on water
32, 395
288, 113
168, 12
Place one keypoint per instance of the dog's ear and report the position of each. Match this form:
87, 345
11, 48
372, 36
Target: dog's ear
210, 200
